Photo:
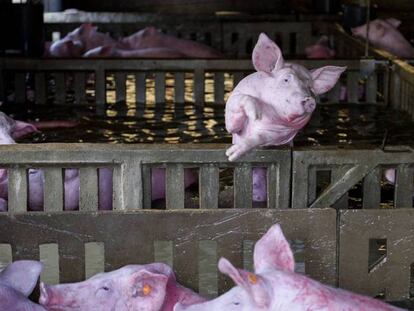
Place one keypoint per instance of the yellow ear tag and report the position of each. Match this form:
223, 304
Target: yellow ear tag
146, 289
252, 278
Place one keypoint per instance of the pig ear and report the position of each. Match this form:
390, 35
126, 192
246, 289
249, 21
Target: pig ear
253, 284
146, 284
21, 275
267, 55
272, 251
325, 78
21, 129
394, 22
85, 28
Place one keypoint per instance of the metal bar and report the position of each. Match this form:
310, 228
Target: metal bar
120, 86
243, 186
88, 200
219, 87
100, 91
60, 96
174, 186
40, 88
17, 189
198, 88
53, 189
20, 87
160, 87
80, 87
372, 189
404, 186
209, 186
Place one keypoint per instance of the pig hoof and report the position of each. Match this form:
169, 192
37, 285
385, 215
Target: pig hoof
235, 152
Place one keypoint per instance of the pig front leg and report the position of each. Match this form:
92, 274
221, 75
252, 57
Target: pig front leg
243, 145
239, 108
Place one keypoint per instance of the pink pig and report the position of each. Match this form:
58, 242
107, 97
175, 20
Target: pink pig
17, 281
270, 106
150, 287
11, 129
275, 285
383, 34
320, 50
111, 51
150, 37
80, 40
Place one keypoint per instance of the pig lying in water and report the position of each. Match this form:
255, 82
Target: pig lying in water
270, 106
150, 287
275, 285
17, 281
87, 41
11, 129
383, 34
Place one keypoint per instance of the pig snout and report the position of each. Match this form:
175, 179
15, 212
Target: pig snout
54, 299
308, 104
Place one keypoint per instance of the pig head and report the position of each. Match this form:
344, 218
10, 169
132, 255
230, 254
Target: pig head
275, 285
271, 105
133, 287
384, 34
17, 281
80, 40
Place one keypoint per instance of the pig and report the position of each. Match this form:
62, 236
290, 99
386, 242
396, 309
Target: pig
150, 287
17, 281
271, 105
150, 37
81, 40
11, 129
383, 34
320, 50
111, 51
275, 286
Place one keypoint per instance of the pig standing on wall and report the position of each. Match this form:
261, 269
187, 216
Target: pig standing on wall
275, 285
270, 106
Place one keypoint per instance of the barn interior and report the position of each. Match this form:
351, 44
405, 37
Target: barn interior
141, 131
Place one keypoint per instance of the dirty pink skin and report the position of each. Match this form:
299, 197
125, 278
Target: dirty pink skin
271, 105
150, 287
80, 40
111, 51
320, 50
275, 285
150, 37
11, 129
17, 281
384, 34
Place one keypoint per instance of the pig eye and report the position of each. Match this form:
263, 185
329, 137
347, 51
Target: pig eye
236, 303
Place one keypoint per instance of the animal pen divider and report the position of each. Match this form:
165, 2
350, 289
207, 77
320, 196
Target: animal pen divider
336, 242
